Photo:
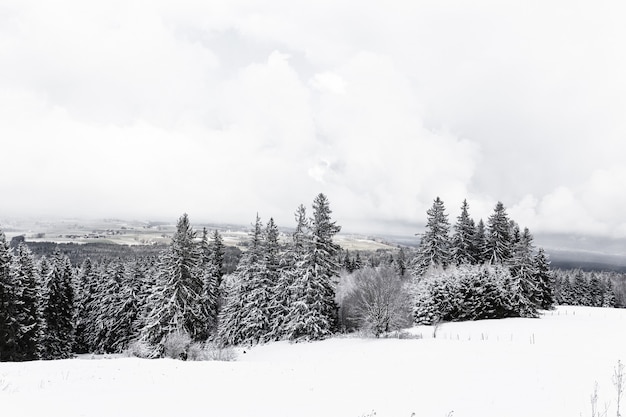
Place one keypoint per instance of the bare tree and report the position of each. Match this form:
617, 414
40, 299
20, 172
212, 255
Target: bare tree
618, 382
378, 302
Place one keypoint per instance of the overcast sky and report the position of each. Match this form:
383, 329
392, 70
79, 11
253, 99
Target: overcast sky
148, 109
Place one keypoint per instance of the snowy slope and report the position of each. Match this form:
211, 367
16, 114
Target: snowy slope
512, 367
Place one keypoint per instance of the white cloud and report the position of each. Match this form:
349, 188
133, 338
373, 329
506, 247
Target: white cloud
224, 108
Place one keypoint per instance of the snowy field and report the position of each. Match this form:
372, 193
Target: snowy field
512, 367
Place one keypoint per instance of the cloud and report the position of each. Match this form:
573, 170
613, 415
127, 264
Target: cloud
225, 108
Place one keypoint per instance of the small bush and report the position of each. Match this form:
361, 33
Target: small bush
401, 334
197, 352
141, 349
176, 345
217, 353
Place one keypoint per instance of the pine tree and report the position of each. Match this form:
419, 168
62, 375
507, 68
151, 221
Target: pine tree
545, 279
301, 236
480, 244
400, 263
212, 259
110, 305
498, 236
127, 313
434, 247
463, 239
608, 298
58, 310
30, 316
243, 317
217, 256
290, 269
85, 295
523, 267
595, 291
580, 290
176, 299
313, 311
9, 306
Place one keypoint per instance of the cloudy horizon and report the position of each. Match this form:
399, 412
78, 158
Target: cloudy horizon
223, 109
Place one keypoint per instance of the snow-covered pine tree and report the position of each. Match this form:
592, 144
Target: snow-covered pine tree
498, 236
289, 270
580, 290
312, 313
480, 243
523, 267
58, 310
273, 264
9, 305
463, 238
322, 257
110, 300
515, 301
30, 316
545, 279
434, 246
127, 311
211, 277
595, 291
400, 263
608, 297
240, 319
85, 294
218, 252
176, 299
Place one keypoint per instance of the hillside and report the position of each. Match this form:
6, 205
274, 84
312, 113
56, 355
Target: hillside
511, 367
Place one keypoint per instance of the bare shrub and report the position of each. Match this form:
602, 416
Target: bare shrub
197, 352
378, 302
220, 353
618, 382
176, 345
141, 349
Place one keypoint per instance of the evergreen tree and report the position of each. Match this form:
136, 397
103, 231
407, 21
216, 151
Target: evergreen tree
128, 309
498, 236
480, 254
176, 300
217, 256
400, 263
30, 316
9, 306
58, 310
463, 239
595, 291
301, 236
523, 267
608, 298
580, 290
245, 318
358, 262
434, 247
109, 307
313, 311
545, 279
211, 263
85, 295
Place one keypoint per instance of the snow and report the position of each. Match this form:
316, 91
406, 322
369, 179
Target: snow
510, 367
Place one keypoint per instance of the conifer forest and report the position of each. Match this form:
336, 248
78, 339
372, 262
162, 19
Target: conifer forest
300, 286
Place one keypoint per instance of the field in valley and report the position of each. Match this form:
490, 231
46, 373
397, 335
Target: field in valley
511, 367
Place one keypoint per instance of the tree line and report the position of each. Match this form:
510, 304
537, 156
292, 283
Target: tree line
50, 309
479, 270
297, 287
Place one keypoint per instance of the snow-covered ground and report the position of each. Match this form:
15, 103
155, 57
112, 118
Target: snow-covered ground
503, 368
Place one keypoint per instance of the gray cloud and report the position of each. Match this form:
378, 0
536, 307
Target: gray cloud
225, 108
